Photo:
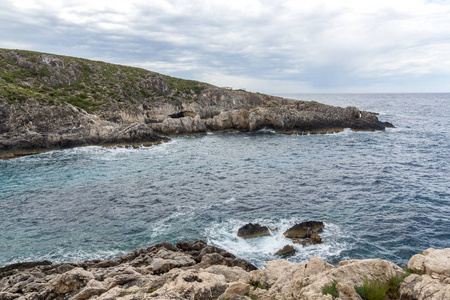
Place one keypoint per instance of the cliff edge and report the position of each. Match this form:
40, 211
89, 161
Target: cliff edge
50, 101
195, 270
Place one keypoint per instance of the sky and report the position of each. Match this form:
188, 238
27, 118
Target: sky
275, 47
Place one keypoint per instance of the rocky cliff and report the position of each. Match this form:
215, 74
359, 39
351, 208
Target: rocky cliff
195, 270
50, 101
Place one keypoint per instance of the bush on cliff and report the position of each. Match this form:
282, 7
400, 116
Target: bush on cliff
331, 289
378, 290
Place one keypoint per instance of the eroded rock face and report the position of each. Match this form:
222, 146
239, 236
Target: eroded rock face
250, 230
144, 111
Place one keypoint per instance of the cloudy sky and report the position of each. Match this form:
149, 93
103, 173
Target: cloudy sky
267, 46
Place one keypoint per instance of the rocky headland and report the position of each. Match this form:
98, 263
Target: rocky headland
195, 270
50, 102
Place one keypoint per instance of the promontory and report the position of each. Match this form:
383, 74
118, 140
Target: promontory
50, 102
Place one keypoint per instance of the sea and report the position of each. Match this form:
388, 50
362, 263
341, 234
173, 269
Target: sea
383, 194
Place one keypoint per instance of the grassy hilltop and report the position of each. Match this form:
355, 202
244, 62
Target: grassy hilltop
91, 85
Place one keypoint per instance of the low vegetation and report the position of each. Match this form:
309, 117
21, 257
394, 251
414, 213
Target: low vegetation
185, 86
90, 85
372, 290
331, 289
379, 290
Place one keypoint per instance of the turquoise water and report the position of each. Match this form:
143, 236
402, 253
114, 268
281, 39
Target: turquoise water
380, 194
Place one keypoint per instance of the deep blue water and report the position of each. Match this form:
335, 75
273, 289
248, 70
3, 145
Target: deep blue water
381, 194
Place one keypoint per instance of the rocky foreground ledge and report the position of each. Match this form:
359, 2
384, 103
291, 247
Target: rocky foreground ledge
195, 270
50, 102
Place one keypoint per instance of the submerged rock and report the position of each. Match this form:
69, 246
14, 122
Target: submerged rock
252, 231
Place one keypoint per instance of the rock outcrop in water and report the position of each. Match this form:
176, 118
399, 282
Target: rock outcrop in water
305, 233
50, 101
250, 231
195, 270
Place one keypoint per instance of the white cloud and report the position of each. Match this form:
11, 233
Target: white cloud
309, 44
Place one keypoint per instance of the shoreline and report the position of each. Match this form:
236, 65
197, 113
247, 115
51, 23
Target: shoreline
196, 270
11, 154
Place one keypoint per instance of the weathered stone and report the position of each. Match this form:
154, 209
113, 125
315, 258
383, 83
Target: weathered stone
285, 251
304, 229
250, 230
69, 282
424, 287
432, 262
236, 289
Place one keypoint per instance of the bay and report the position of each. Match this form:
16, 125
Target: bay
381, 194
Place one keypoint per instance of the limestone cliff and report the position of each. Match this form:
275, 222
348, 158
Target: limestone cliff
195, 270
50, 101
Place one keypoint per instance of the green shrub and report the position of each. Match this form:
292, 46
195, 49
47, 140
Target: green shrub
372, 290
394, 287
79, 102
331, 289
411, 271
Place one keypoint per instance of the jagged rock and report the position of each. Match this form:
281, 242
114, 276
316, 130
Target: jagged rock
250, 230
285, 251
304, 229
192, 247
126, 278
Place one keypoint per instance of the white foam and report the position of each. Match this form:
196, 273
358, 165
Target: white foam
262, 249
61, 255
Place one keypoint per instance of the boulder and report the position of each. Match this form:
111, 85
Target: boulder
433, 262
304, 229
252, 231
433, 278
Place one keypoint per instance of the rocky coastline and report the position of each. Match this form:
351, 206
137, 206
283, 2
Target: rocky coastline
52, 102
195, 270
